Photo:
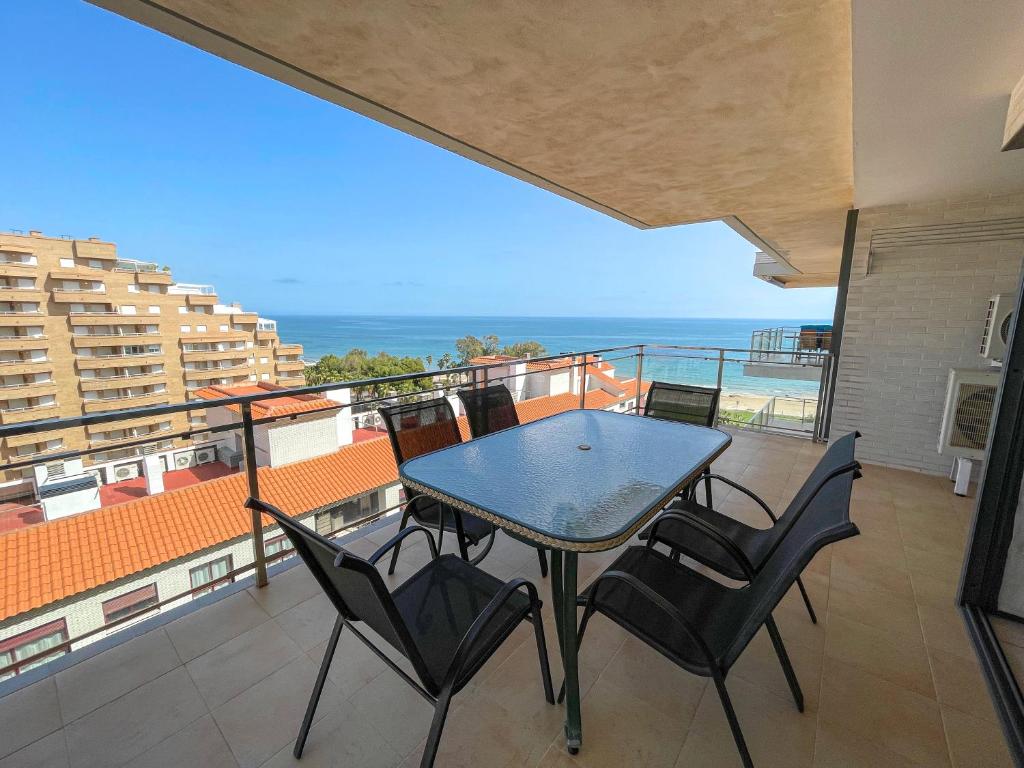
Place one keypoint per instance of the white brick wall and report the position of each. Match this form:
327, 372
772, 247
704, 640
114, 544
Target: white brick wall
913, 313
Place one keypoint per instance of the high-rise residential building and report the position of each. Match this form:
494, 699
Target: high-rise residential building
83, 330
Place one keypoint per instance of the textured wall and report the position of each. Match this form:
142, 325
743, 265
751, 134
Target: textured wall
913, 313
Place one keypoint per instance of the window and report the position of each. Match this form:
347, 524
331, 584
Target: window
182, 310
67, 263
129, 603
200, 329
127, 309
224, 329
347, 513
95, 264
275, 545
30, 643
133, 289
208, 572
186, 329
153, 310
265, 376
263, 360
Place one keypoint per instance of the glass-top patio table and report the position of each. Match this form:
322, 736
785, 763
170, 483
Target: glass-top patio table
579, 481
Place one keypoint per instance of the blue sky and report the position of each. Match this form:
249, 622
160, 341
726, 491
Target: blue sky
293, 205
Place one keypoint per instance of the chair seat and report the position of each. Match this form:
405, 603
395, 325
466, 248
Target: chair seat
717, 610
754, 542
476, 529
440, 602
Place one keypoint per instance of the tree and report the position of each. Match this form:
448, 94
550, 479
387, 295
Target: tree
469, 347
356, 365
524, 349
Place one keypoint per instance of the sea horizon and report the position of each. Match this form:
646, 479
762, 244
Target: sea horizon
434, 335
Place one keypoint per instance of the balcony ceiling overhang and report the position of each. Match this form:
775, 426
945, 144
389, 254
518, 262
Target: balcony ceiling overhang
656, 114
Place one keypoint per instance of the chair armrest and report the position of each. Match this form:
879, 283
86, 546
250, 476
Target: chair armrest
372, 559
657, 601
733, 484
481, 622
711, 532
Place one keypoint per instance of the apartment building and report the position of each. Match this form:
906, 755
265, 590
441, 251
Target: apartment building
83, 331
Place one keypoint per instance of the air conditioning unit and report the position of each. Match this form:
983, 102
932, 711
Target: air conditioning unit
205, 455
184, 460
126, 472
966, 418
997, 326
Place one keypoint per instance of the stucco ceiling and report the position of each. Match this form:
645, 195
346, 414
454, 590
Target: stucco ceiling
656, 113
932, 84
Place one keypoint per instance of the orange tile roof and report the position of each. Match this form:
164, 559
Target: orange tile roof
261, 409
53, 561
606, 380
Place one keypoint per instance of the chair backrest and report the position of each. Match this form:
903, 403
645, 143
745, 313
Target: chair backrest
682, 402
489, 409
351, 583
826, 519
420, 427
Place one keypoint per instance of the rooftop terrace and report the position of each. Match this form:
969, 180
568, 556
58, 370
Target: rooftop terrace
888, 674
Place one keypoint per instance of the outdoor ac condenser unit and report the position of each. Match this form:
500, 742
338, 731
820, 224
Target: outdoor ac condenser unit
997, 326
126, 472
205, 455
970, 400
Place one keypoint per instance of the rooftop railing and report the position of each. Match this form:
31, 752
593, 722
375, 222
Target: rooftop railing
746, 403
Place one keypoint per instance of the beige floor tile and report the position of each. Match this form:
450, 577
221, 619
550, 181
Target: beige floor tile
215, 624
944, 629
28, 715
354, 665
974, 743
838, 747
933, 591
101, 679
125, 728
200, 744
229, 669
620, 730
401, 715
942, 565
959, 684
883, 713
892, 657
49, 752
776, 734
262, 720
890, 612
310, 622
760, 666
645, 674
344, 738
874, 576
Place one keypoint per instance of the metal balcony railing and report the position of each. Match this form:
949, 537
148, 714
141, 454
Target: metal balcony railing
760, 409
794, 345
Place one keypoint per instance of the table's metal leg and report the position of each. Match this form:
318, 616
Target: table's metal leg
573, 721
556, 600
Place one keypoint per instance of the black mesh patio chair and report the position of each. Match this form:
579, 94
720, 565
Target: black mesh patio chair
447, 619
686, 403
702, 625
422, 427
683, 527
490, 409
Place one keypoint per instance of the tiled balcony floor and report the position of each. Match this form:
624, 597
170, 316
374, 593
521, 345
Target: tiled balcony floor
888, 675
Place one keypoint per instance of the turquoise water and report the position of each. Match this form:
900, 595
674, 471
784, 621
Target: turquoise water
422, 336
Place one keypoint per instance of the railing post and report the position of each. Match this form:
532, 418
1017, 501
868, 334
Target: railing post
826, 364
639, 373
249, 441
581, 378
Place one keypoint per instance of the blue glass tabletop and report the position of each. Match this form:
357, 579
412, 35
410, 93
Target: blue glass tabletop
580, 480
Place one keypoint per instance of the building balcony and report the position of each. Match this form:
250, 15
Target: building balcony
125, 401
888, 674
28, 413
98, 383
23, 343
27, 389
141, 422
291, 381
81, 341
207, 337
95, 249
266, 335
8, 367
97, 442
110, 318
97, 296
290, 365
154, 278
118, 360
289, 349
244, 318
18, 268
215, 354
77, 272
16, 293
200, 300
13, 319
199, 374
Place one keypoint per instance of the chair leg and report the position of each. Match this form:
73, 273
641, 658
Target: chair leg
542, 651
787, 667
318, 688
707, 489
542, 557
436, 728
487, 548
807, 601
734, 724
398, 546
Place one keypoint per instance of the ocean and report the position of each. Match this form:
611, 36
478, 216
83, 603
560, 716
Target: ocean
422, 336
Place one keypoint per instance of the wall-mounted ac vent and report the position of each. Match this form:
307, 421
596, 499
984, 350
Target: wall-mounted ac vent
947, 234
998, 319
